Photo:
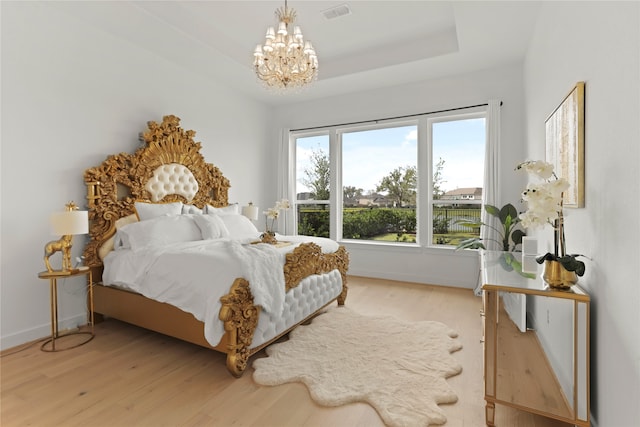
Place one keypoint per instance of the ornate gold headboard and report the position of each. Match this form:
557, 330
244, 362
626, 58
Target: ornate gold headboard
122, 179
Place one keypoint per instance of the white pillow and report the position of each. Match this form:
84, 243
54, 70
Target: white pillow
147, 211
109, 244
191, 209
239, 226
211, 226
160, 231
227, 210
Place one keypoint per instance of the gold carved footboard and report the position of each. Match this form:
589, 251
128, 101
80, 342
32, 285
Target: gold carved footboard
240, 319
240, 315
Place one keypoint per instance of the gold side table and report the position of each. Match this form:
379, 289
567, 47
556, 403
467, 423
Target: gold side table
53, 276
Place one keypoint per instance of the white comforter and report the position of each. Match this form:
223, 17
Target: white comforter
193, 276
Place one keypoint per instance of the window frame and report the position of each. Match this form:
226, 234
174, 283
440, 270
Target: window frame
424, 163
429, 122
293, 147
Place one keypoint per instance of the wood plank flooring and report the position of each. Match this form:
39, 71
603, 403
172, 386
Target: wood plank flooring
521, 359
127, 376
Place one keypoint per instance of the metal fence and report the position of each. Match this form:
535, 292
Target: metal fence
451, 215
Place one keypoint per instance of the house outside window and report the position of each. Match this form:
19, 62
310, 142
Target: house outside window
403, 182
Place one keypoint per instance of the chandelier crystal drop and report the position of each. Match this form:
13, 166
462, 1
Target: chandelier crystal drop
285, 60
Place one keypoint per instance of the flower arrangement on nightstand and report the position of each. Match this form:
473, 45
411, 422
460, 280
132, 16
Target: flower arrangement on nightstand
271, 216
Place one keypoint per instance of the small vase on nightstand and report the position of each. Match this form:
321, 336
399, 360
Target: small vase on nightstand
268, 237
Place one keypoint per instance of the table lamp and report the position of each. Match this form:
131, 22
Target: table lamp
250, 211
67, 223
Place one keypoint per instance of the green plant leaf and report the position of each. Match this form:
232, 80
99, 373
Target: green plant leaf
505, 262
492, 210
508, 232
517, 236
471, 243
569, 262
508, 214
469, 223
509, 262
546, 257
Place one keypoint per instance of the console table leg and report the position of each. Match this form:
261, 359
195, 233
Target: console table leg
490, 412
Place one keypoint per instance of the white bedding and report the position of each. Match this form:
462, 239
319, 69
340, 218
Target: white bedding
194, 275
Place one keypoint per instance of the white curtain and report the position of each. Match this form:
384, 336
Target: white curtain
491, 185
285, 181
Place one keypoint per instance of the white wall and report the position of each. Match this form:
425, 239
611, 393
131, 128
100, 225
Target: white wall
435, 266
71, 95
599, 43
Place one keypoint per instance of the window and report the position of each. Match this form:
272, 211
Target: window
457, 161
402, 182
379, 183
313, 186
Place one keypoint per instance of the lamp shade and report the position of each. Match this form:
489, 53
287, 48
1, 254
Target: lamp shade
250, 211
70, 222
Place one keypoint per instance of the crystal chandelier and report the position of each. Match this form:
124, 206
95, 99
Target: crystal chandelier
285, 60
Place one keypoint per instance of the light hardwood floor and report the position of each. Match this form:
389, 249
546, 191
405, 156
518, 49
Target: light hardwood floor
128, 376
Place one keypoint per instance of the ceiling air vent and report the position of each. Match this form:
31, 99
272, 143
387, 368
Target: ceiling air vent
337, 11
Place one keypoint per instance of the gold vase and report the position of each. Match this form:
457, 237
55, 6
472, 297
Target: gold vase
556, 276
268, 237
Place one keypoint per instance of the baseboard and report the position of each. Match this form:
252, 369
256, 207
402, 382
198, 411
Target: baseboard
42, 331
401, 277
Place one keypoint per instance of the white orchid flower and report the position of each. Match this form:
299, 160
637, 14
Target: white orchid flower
542, 170
544, 199
272, 213
283, 204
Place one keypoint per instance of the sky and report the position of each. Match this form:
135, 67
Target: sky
368, 156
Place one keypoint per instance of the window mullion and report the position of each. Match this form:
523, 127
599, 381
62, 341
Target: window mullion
425, 187
291, 221
335, 204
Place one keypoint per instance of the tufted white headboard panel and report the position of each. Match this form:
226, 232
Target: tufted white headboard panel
172, 178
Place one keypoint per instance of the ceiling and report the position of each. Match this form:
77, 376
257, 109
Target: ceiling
380, 43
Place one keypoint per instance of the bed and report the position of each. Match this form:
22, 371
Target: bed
246, 295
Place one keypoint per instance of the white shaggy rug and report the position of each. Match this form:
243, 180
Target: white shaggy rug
397, 367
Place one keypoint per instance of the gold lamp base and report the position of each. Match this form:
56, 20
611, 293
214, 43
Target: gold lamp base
64, 246
556, 276
67, 223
